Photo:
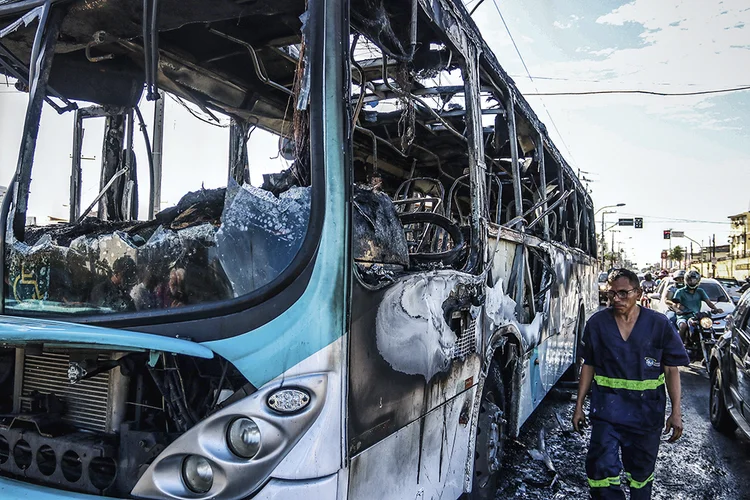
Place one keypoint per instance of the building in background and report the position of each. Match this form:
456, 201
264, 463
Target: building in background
739, 260
727, 261
738, 237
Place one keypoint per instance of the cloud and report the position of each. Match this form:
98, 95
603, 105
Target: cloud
686, 46
603, 52
572, 21
647, 151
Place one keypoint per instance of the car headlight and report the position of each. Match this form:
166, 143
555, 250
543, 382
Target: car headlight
706, 323
197, 474
243, 438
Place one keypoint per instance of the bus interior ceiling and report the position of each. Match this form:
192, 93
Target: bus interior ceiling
411, 131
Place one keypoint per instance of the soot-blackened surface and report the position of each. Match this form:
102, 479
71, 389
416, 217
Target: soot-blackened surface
702, 465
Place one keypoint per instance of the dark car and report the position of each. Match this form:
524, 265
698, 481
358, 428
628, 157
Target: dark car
729, 369
732, 286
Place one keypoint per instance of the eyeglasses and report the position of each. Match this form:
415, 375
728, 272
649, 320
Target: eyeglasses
621, 294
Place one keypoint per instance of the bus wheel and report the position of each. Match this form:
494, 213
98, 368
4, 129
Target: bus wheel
490, 439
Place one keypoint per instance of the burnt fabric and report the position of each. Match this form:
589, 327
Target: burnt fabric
603, 463
628, 388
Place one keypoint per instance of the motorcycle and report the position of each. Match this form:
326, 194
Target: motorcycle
701, 337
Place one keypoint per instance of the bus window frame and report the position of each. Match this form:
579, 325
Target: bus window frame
254, 309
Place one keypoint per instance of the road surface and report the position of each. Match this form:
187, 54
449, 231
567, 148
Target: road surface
702, 465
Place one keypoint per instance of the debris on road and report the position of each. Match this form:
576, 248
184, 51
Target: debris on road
547, 460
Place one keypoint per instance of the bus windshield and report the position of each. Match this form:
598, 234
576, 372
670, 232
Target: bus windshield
195, 190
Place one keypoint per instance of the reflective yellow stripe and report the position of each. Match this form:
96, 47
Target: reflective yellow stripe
631, 385
639, 484
604, 483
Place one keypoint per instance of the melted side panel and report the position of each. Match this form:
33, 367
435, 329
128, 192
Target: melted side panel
404, 357
550, 341
427, 459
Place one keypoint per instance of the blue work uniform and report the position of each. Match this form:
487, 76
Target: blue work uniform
628, 399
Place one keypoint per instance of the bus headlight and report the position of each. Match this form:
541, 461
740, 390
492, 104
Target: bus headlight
706, 323
222, 457
197, 474
243, 437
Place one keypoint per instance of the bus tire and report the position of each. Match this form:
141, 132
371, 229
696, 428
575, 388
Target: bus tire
492, 430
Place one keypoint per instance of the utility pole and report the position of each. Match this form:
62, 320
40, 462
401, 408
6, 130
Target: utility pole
713, 257
669, 255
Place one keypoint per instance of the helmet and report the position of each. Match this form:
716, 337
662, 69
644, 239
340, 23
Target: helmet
663, 273
679, 275
647, 277
692, 279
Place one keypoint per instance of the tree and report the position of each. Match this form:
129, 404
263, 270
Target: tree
677, 254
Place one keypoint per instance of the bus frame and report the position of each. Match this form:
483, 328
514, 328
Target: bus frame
419, 330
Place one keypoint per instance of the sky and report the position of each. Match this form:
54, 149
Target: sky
195, 155
679, 162
669, 159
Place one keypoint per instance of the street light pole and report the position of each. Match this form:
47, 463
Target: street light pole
603, 214
612, 249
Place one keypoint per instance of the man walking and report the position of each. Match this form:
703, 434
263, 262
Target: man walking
629, 353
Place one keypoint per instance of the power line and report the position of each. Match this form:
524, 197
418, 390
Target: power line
528, 73
646, 92
474, 9
606, 80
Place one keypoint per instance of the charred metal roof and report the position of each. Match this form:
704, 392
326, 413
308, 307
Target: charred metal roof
208, 55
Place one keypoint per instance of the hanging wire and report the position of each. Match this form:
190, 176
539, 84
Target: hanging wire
182, 103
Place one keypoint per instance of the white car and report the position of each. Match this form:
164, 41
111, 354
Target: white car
715, 291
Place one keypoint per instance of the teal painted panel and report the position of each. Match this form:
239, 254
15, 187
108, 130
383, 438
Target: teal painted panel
15, 490
317, 318
19, 331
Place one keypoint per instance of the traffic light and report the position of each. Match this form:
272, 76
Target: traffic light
638, 222
667, 234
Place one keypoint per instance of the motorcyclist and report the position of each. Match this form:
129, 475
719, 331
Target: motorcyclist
688, 300
679, 282
648, 285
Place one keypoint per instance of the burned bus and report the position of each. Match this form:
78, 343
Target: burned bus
316, 248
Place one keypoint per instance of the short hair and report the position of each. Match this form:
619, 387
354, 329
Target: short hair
629, 275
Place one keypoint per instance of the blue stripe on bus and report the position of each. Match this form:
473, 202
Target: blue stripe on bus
12, 488
18, 331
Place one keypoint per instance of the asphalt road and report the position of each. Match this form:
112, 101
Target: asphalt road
702, 465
